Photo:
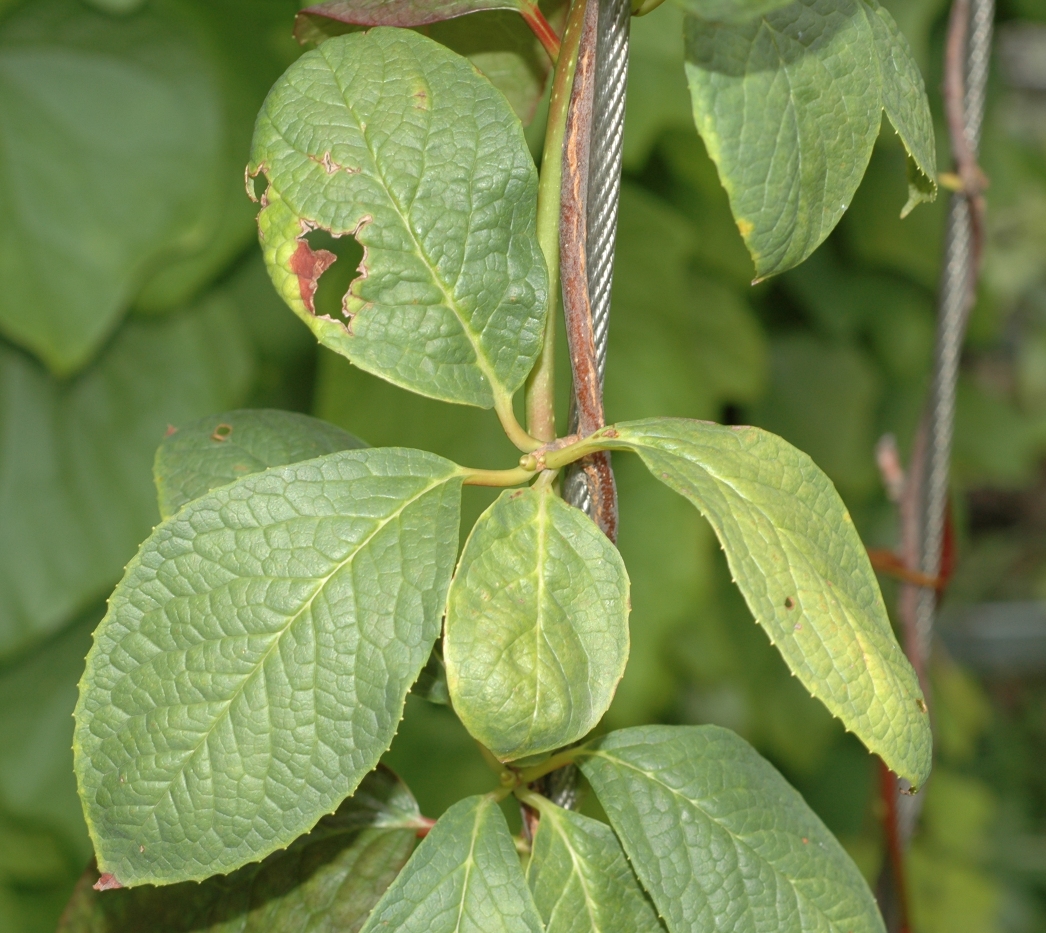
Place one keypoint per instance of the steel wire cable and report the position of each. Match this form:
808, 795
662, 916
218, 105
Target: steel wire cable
604, 190
957, 292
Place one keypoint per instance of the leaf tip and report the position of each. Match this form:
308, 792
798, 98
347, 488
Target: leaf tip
107, 882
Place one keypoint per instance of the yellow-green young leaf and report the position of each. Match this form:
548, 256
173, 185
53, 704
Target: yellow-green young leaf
796, 556
720, 840
789, 106
223, 448
536, 636
255, 658
465, 877
326, 882
580, 879
730, 11
389, 137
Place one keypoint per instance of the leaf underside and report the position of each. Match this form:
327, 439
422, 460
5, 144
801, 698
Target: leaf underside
789, 106
405, 13
328, 880
389, 137
254, 662
536, 636
465, 877
223, 448
580, 879
796, 556
720, 840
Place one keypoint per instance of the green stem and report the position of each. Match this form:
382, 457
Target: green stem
498, 478
507, 416
559, 760
541, 395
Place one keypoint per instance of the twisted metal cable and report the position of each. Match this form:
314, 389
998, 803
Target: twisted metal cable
957, 293
604, 189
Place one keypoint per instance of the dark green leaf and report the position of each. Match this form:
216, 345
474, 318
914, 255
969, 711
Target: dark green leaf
255, 658
795, 554
112, 136
389, 137
431, 684
536, 635
720, 840
223, 448
77, 498
580, 879
326, 882
465, 877
789, 106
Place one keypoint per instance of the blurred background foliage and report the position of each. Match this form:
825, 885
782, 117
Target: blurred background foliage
132, 297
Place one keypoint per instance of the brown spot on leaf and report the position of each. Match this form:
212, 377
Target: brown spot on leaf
921, 703
308, 265
222, 433
107, 882
789, 602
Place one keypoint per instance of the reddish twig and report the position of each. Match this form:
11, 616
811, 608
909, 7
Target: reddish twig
541, 28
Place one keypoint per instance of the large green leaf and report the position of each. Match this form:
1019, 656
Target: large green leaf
498, 42
392, 138
580, 879
720, 840
75, 494
796, 556
325, 882
255, 658
731, 11
110, 140
223, 448
536, 636
789, 106
465, 877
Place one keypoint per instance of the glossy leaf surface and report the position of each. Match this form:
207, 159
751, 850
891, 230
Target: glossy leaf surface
465, 877
720, 840
580, 879
392, 138
795, 555
75, 495
326, 882
789, 106
255, 658
223, 448
536, 636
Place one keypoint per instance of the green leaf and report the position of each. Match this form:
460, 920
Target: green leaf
496, 39
904, 100
720, 840
796, 556
580, 879
789, 106
255, 658
326, 881
392, 138
221, 449
76, 495
111, 138
536, 635
431, 684
464, 878
37, 696
731, 11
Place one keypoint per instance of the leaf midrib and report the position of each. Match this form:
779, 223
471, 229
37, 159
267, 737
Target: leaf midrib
279, 636
582, 880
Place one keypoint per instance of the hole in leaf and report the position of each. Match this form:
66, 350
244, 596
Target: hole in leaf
222, 433
258, 184
335, 281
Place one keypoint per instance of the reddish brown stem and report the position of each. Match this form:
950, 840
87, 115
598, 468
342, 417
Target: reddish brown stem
541, 28
895, 848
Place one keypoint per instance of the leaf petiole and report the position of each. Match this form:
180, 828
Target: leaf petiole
559, 760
